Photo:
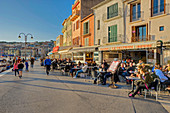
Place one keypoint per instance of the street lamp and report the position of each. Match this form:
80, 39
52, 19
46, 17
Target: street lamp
25, 40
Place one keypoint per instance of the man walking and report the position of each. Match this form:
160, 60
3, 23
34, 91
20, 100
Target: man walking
47, 63
32, 62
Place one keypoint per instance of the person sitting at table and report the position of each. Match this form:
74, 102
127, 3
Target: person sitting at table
72, 70
146, 82
163, 79
94, 63
105, 64
121, 70
83, 70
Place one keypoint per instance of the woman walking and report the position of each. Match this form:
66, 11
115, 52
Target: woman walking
20, 68
16, 68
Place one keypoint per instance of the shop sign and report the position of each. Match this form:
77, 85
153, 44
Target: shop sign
55, 49
127, 47
114, 65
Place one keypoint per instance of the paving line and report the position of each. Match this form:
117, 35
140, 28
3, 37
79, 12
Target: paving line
5, 72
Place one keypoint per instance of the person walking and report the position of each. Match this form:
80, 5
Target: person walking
47, 63
15, 68
20, 68
27, 65
32, 62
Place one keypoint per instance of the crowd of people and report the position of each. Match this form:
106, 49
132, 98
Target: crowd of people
149, 76
18, 65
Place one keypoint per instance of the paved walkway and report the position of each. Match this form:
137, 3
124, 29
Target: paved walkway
38, 93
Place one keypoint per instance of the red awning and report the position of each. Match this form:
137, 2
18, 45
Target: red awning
55, 49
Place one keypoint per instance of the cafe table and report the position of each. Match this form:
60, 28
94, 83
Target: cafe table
133, 79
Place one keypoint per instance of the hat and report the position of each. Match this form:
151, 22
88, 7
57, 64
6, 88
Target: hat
85, 62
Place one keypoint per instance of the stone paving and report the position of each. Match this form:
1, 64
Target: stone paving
38, 93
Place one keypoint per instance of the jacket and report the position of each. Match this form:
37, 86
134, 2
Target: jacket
15, 66
47, 62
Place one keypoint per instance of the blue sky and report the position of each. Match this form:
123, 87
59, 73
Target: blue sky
41, 18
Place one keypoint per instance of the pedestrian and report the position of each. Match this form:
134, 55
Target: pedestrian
32, 62
20, 68
15, 68
47, 63
27, 65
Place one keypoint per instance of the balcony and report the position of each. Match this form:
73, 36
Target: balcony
143, 38
137, 16
160, 10
75, 15
119, 38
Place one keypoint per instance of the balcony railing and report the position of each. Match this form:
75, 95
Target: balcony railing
118, 13
159, 10
143, 38
135, 16
118, 38
75, 15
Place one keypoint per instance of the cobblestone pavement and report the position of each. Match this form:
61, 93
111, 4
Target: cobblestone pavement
38, 93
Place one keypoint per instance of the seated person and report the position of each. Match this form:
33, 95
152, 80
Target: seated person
121, 70
146, 82
72, 70
83, 70
163, 79
94, 63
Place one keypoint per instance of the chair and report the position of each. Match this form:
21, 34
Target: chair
153, 88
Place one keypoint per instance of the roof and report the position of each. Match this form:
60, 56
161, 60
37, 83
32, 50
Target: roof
100, 4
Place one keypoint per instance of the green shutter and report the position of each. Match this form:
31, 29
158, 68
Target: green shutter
87, 41
115, 33
84, 28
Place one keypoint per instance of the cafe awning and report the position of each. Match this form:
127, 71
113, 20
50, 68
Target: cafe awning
84, 49
129, 46
64, 50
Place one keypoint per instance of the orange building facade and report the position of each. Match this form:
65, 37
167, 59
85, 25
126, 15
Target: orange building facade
87, 31
76, 18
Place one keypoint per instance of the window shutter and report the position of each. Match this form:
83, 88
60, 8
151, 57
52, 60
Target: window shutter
151, 8
112, 34
131, 9
133, 34
115, 33
88, 27
87, 41
147, 33
84, 28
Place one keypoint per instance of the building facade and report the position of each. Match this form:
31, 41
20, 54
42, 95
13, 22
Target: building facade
147, 21
109, 28
67, 32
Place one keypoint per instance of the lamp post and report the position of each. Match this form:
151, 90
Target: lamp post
25, 40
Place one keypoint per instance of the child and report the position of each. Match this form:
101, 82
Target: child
26, 64
20, 68
16, 68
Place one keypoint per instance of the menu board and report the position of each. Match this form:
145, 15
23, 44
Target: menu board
114, 65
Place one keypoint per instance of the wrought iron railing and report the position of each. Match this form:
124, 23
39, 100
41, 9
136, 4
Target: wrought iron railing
107, 16
143, 38
118, 38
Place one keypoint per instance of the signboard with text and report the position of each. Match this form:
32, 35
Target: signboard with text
114, 65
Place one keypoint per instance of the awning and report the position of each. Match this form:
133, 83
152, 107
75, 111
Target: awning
129, 46
84, 49
64, 50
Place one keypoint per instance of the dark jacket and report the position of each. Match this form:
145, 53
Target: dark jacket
120, 70
20, 66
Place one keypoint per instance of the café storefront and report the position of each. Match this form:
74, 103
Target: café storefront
145, 51
85, 54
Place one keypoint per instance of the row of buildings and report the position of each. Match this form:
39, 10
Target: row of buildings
33, 49
116, 29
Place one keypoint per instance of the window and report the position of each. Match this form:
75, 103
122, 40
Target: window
158, 7
161, 28
112, 11
135, 11
86, 40
73, 27
86, 28
98, 41
77, 24
112, 33
98, 24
